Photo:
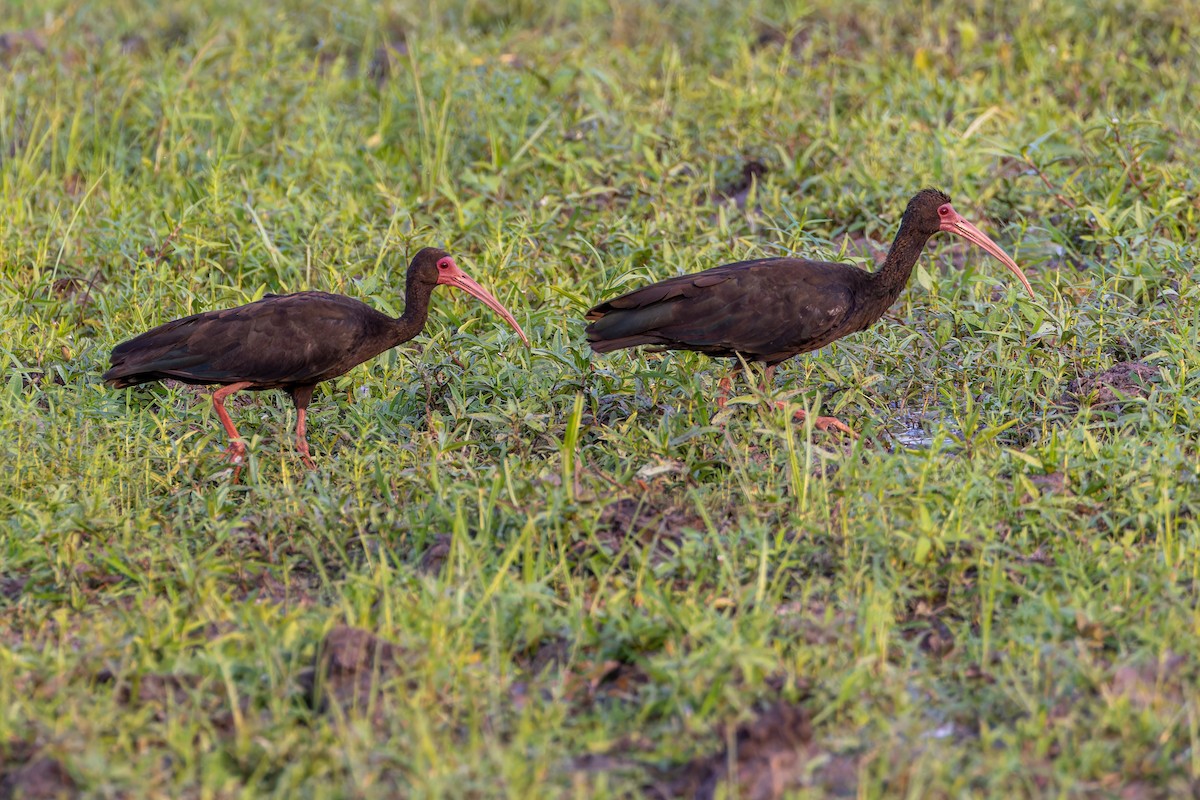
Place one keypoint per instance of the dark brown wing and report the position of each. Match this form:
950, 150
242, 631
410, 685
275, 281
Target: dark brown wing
279, 341
766, 310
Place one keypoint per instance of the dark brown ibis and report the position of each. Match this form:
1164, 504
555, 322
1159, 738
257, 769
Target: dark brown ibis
290, 342
771, 309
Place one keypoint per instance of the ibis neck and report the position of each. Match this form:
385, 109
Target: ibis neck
416, 310
892, 277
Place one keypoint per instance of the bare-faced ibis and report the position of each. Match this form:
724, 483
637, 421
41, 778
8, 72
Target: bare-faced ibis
771, 309
290, 342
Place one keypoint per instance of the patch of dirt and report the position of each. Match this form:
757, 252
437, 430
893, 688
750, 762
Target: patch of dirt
773, 754
975, 673
383, 62
1038, 556
153, 688
584, 679
134, 44
1052, 483
92, 575
1092, 633
933, 636
773, 35
74, 185
591, 681
296, 593
351, 669
1058, 485
738, 191
381, 65
1144, 790
821, 39
547, 656
175, 32
164, 694
628, 519
613, 408
1111, 387
37, 379
43, 778
1153, 684
12, 587
76, 289
552, 653
262, 558
816, 624
163, 252
434, 557
17, 751
13, 43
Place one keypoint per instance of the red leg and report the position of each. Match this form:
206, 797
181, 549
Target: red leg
725, 385
302, 439
301, 397
237, 449
724, 389
768, 378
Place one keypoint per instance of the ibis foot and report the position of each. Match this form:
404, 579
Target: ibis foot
305, 456
236, 454
823, 423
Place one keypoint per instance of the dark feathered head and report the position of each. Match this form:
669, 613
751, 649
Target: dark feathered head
922, 211
427, 264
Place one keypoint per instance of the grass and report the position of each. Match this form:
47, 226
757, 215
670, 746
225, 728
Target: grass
596, 585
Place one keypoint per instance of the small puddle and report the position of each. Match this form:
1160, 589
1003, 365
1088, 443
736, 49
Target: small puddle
913, 437
917, 430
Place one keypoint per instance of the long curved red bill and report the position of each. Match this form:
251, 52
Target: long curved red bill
452, 275
952, 222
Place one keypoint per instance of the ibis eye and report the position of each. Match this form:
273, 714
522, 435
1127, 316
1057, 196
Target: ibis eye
944, 210
444, 264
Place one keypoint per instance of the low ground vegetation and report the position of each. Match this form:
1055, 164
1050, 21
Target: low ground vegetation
532, 572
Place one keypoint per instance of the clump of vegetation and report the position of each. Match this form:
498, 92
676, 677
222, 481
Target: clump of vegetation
542, 573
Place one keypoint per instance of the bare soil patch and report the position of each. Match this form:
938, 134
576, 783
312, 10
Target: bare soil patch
1111, 387
627, 522
772, 754
40, 778
351, 669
